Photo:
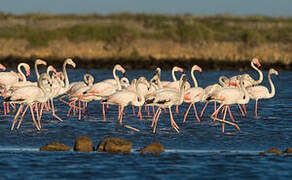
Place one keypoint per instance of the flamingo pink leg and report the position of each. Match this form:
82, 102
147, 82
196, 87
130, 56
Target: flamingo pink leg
121, 115
8, 110
61, 99
221, 120
41, 110
53, 111
198, 119
79, 104
16, 116
230, 114
176, 109
103, 111
133, 109
243, 106
21, 118
37, 114
173, 124
156, 119
139, 113
4, 108
33, 118
225, 109
71, 106
202, 112
186, 114
256, 108
242, 113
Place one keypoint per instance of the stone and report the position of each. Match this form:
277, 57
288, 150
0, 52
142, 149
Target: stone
83, 144
55, 146
114, 145
155, 147
288, 151
274, 151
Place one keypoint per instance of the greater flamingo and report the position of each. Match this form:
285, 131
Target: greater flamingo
29, 95
262, 92
194, 94
227, 96
166, 98
8, 79
105, 88
223, 82
248, 80
125, 98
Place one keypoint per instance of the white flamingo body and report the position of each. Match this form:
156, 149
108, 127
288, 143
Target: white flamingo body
166, 98
227, 96
194, 94
124, 98
246, 78
29, 95
262, 92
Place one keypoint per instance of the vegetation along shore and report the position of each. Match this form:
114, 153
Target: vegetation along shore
147, 40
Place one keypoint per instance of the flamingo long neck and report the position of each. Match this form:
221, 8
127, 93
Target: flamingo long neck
46, 91
194, 78
88, 79
65, 76
181, 91
173, 74
245, 98
140, 100
272, 93
222, 80
20, 71
36, 70
261, 77
117, 79
158, 76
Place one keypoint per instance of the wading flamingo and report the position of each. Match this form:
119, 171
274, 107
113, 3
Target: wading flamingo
29, 95
262, 92
228, 96
166, 98
194, 94
125, 98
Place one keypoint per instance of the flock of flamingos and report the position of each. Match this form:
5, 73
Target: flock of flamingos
37, 96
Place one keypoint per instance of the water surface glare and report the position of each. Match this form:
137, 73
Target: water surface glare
199, 151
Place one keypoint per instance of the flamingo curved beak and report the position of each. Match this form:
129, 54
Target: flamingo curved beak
180, 69
258, 64
199, 69
27, 72
3, 68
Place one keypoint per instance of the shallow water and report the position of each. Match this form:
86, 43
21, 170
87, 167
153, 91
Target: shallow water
199, 151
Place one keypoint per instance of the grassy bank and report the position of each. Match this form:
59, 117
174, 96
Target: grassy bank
146, 37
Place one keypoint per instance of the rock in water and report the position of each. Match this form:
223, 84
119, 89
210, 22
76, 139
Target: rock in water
55, 146
288, 151
114, 145
155, 147
274, 151
83, 144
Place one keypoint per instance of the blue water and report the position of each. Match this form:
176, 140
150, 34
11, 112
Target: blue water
199, 151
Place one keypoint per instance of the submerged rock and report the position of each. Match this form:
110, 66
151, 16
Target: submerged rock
288, 151
274, 151
114, 145
155, 147
83, 144
55, 146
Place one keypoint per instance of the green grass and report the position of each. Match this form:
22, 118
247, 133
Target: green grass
251, 30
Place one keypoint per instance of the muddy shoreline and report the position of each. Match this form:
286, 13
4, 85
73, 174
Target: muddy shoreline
209, 64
